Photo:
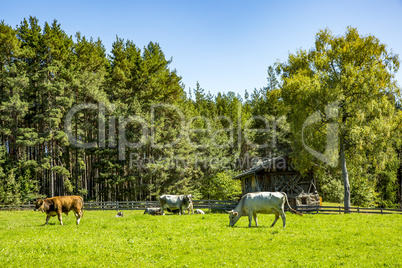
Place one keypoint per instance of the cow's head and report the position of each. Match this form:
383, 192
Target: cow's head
233, 217
39, 204
45, 205
188, 198
119, 214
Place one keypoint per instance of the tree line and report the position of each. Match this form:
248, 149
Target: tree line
122, 125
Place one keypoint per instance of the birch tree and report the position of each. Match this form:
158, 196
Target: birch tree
345, 84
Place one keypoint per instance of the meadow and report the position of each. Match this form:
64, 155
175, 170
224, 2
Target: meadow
136, 240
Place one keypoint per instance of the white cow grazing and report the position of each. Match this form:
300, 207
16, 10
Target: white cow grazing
260, 202
180, 202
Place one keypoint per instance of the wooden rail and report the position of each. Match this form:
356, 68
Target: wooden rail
141, 205
340, 209
212, 205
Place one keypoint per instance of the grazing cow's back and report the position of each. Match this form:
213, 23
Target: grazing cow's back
61, 204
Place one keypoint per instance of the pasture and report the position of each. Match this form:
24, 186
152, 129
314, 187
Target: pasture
136, 240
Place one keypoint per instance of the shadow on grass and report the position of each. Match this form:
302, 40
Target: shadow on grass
259, 226
44, 224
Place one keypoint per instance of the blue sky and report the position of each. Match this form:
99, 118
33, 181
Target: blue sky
224, 45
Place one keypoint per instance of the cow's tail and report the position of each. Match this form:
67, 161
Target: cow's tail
291, 209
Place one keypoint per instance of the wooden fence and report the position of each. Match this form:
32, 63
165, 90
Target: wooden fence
212, 205
340, 209
28, 206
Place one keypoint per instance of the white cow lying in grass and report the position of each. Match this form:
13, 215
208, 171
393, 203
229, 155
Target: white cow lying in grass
260, 202
199, 211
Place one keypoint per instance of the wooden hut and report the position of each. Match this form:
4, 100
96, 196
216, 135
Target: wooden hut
277, 174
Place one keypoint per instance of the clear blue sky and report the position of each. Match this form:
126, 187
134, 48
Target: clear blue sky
225, 45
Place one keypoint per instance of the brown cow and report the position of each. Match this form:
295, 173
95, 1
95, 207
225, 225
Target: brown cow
61, 204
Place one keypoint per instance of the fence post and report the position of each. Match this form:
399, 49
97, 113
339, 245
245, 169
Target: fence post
339, 209
317, 209
358, 210
381, 211
117, 205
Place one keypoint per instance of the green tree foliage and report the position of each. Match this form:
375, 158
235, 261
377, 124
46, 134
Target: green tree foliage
221, 186
150, 137
349, 81
271, 130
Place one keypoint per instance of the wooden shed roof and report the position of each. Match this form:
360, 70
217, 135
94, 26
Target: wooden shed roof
267, 164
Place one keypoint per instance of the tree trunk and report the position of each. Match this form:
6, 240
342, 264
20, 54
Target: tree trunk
345, 177
51, 168
399, 178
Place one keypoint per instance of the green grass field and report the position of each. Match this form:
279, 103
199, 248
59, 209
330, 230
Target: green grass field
137, 240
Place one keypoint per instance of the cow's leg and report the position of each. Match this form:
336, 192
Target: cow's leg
276, 218
60, 219
283, 216
250, 218
255, 219
192, 209
78, 216
162, 211
47, 219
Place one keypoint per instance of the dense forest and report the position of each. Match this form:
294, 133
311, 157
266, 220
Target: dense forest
75, 119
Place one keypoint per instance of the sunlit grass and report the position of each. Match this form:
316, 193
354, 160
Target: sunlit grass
137, 240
